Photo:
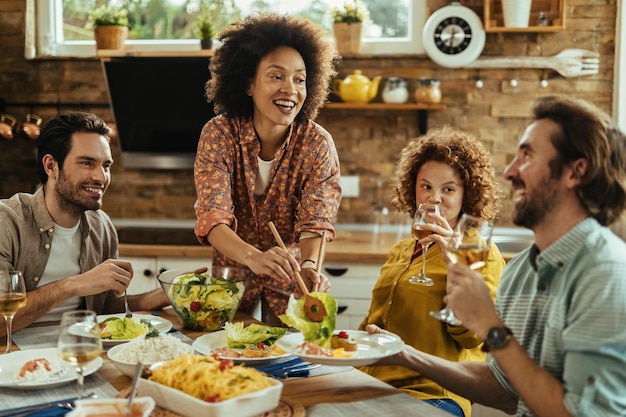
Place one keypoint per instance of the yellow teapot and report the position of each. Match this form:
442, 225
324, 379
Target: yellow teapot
356, 88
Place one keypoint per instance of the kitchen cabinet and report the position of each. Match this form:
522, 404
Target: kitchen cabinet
147, 268
351, 285
553, 10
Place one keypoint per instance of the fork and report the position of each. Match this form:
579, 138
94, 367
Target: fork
569, 62
128, 313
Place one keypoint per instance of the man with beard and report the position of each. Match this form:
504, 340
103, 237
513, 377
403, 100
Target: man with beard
59, 238
556, 333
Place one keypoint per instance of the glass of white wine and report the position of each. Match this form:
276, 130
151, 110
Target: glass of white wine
79, 342
418, 233
12, 298
469, 245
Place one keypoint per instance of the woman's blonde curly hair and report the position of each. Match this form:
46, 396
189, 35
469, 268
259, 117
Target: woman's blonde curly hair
461, 151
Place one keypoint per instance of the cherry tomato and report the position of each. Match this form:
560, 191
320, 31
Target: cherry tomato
343, 334
261, 345
225, 364
195, 306
212, 399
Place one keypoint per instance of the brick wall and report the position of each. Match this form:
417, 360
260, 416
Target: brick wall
368, 142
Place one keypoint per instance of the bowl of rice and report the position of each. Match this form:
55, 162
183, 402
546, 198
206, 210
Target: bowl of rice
148, 351
202, 300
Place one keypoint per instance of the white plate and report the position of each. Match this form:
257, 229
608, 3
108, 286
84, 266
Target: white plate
10, 365
371, 347
206, 343
161, 324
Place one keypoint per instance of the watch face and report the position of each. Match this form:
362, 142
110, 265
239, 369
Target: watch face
453, 35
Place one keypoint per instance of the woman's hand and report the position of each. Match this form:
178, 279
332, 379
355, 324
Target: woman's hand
275, 263
313, 281
441, 231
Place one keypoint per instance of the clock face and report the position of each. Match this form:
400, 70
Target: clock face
453, 36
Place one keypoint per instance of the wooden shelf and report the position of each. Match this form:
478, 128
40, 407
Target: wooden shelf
555, 10
386, 106
422, 109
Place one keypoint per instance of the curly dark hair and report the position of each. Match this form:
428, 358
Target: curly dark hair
461, 151
587, 132
246, 42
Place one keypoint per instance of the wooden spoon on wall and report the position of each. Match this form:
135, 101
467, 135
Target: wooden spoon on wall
314, 309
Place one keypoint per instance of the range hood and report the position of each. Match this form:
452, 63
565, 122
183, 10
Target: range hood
159, 107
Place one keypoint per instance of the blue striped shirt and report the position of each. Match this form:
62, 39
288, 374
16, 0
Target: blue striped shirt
567, 308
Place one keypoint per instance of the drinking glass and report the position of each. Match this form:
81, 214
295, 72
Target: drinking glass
418, 233
79, 342
12, 298
470, 246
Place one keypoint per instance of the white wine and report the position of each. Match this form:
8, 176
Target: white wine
11, 302
470, 256
420, 233
80, 353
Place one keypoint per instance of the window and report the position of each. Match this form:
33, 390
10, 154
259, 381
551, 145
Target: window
396, 25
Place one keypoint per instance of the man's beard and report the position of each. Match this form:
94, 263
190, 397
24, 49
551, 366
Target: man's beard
70, 199
536, 205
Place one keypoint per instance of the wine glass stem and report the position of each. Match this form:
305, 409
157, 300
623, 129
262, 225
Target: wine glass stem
79, 382
424, 250
9, 321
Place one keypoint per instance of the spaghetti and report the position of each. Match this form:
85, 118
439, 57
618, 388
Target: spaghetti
209, 379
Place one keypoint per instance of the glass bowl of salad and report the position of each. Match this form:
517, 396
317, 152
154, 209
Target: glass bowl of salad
205, 299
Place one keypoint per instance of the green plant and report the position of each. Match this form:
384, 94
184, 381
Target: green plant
204, 27
351, 12
109, 16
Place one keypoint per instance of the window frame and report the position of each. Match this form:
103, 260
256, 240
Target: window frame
47, 10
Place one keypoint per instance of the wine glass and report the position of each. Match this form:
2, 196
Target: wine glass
79, 342
470, 246
418, 233
12, 298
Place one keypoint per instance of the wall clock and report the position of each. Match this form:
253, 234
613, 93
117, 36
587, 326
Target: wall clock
453, 36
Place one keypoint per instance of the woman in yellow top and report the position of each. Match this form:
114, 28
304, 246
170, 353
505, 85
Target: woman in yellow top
452, 169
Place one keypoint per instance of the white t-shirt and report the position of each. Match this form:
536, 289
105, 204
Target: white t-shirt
64, 241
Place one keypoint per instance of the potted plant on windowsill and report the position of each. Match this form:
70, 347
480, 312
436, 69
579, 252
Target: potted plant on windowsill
348, 25
110, 27
204, 29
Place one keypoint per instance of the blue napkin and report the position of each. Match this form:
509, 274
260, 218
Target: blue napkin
48, 412
294, 368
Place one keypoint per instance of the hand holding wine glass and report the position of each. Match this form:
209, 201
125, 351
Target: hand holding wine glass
79, 342
421, 217
12, 298
469, 245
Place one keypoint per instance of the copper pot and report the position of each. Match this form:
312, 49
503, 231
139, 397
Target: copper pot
7, 123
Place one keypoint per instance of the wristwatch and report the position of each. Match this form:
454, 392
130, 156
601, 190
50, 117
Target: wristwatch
497, 338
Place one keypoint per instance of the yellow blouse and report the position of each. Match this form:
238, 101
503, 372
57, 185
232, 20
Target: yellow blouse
402, 308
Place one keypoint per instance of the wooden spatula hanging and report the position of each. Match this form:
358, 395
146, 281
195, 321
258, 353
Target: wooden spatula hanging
314, 309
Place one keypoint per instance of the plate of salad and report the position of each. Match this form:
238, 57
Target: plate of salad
115, 328
252, 345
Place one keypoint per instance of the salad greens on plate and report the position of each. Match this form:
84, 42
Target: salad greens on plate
238, 336
317, 332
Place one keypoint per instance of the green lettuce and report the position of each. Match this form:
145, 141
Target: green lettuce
239, 336
317, 332
115, 328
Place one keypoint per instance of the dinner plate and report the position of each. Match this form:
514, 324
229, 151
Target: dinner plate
11, 363
370, 348
159, 323
206, 343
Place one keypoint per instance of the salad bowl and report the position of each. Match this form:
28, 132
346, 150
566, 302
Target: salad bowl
203, 300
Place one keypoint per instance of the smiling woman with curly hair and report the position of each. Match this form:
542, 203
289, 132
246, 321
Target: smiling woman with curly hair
452, 169
263, 159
